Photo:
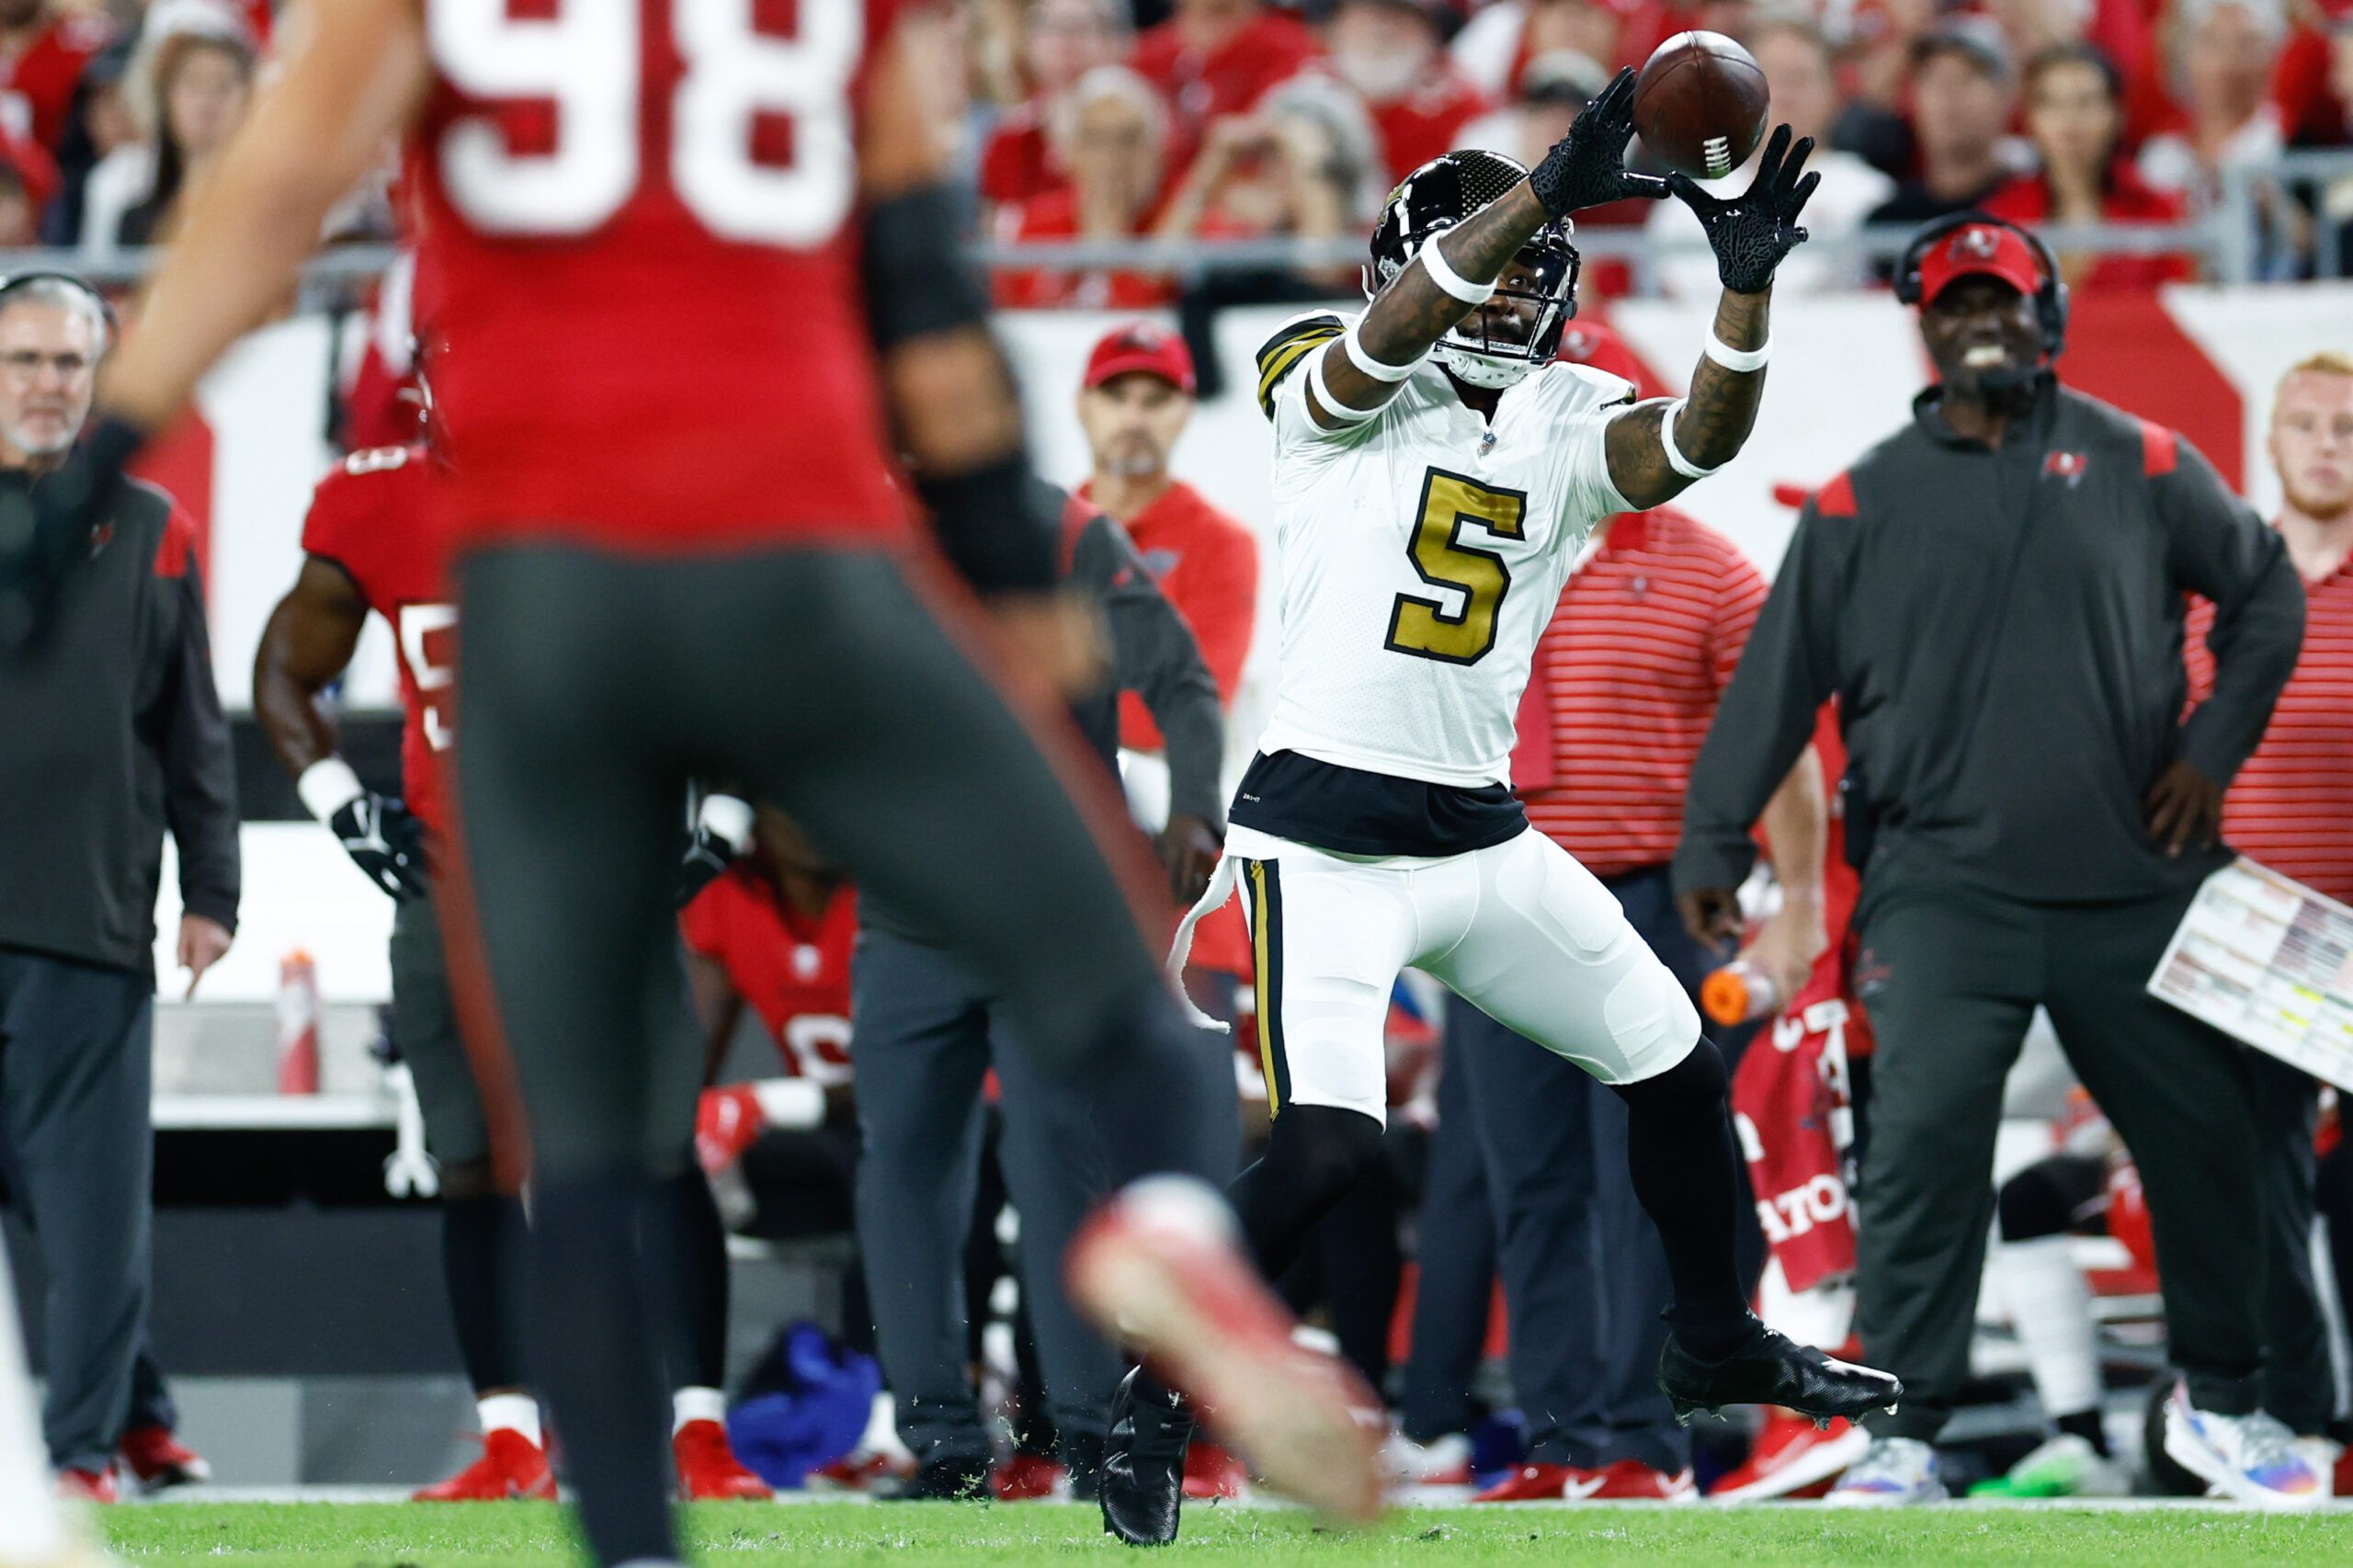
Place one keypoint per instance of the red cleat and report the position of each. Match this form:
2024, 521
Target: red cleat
1156, 1267
2344, 1486
511, 1466
158, 1458
87, 1486
1026, 1478
1792, 1458
1627, 1481
709, 1470
1213, 1474
869, 1472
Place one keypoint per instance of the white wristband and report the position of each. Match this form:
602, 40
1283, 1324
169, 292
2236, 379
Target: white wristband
1442, 273
1335, 411
728, 820
1361, 357
1740, 359
327, 786
1675, 459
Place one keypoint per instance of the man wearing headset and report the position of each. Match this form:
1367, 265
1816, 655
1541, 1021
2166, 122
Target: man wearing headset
1995, 594
113, 734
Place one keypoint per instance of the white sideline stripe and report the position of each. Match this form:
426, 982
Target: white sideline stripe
1416, 1497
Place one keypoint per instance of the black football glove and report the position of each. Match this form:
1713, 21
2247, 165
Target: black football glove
383, 840
1587, 166
46, 528
1751, 233
722, 830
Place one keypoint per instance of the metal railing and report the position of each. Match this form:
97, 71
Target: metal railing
2234, 241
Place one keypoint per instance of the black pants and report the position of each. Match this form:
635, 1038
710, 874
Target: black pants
1952, 976
2299, 1380
76, 1066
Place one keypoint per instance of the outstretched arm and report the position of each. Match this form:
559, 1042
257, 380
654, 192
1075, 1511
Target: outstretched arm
1659, 448
1421, 304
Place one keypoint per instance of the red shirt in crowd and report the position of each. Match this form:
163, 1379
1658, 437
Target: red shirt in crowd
2290, 808
792, 969
1426, 122
370, 517
1200, 85
2128, 199
1016, 162
37, 87
1206, 563
1625, 684
1054, 216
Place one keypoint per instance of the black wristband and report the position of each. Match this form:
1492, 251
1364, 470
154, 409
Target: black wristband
998, 526
917, 281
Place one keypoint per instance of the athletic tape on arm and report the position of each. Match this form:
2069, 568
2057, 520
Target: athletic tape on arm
1675, 458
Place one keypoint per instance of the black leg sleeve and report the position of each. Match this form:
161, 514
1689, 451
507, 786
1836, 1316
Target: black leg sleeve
482, 1242
687, 1244
1313, 1156
1686, 1167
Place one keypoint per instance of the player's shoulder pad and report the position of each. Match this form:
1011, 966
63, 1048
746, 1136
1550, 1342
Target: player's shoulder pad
1290, 344
1580, 387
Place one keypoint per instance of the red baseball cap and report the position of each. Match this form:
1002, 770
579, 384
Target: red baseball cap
1980, 250
1140, 345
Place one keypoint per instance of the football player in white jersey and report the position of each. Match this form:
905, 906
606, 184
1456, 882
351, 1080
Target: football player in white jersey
1435, 473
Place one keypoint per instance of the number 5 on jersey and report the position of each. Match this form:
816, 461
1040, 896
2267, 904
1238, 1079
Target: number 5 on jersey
1451, 506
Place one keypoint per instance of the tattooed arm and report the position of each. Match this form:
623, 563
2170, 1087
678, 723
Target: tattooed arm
1750, 234
1584, 168
1709, 425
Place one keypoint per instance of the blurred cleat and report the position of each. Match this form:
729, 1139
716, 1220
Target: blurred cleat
709, 1470
1212, 1474
511, 1466
1444, 1461
1625, 1481
157, 1460
1793, 1456
2066, 1466
1893, 1473
87, 1486
1026, 1478
2251, 1459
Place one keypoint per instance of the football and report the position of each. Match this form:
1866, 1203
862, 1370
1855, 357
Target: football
1699, 104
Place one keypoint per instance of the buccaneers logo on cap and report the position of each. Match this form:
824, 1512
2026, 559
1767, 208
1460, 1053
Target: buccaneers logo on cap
1976, 243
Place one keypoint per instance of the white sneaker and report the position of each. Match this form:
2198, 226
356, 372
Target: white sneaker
2322, 1454
1892, 1473
1444, 1461
2065, 1466
2250, 1458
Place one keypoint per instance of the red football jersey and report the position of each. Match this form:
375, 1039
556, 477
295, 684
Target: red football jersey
370, 517
639, 218
794, 972
36, 86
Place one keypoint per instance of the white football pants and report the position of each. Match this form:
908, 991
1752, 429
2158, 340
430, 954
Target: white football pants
1519, 930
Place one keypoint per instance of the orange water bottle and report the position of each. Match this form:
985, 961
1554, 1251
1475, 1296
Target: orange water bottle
1739, 993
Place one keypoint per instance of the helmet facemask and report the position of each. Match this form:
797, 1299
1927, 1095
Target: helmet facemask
1479, 356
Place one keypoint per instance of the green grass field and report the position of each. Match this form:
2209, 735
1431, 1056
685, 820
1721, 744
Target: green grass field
938, 1536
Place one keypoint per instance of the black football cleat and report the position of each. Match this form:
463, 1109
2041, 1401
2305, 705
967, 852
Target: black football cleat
1141, 1482
1772, 1369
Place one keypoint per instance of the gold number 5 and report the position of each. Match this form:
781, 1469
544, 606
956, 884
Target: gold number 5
1425, 626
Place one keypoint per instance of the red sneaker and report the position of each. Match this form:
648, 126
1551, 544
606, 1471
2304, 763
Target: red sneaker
862, 1474
511, 1466
1543, 1484
1793, 1457
1631, 1481
158, 1458
1156, 1267
1026, 1478
1211, 1472
709, 1470
87, 1486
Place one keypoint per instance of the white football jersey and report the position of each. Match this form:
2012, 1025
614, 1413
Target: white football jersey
1421, 558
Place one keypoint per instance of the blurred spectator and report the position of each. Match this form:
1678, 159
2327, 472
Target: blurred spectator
1391, 53
2118, 29
2312, 85
97, 122
188, 84
1800, 73
1112, 132
1307, 167
1499, 47
1064, 40
1218, 57
19, 214
1551, 90
2217, 60
42, 52
1963, 91
2075, 115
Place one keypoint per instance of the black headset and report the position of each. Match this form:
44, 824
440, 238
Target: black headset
18, 279
2050, 298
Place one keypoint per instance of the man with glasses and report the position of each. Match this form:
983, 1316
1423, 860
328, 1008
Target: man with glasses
114, 734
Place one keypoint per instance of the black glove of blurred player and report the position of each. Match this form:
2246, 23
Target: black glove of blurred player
383, 840
1587, 166
46, 528
1752, 233
722, 830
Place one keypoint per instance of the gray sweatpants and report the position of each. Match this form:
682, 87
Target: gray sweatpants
928, 1034
1950, 976
76, 1065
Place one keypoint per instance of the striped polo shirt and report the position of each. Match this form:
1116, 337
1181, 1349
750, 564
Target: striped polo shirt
1625, 684
2290, 808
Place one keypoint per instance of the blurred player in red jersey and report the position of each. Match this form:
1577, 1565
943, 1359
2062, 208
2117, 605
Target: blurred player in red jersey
365, 549
698, 273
